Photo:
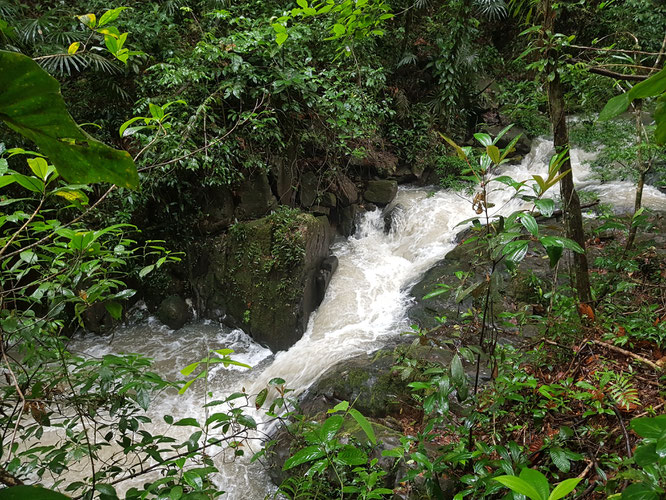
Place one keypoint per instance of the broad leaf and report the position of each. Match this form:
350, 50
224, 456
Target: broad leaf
31, 104
305, 455
564, 488
530, 224
519, 486
537, 480
546, 206
647, 427
639, 491
365, 425
350, 455
31, 492
330, 428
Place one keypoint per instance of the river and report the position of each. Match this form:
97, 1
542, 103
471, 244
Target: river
365, 305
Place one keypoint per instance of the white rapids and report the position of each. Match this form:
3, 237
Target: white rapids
364, 307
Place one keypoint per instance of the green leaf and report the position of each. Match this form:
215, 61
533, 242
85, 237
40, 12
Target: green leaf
107, 492
564, 488
560, 241
457, 371
110, 16
342, 406
646, 455
39, 167
247, 421
484, 139
261, 398
515, 251
554, 254
183, 422
560, 459
330, 428
493, 152
114, 309
652, 87
519, 486
365, 425
30, 183
639, 491
339, 29
530, 224
302, 4
615, 106
350, 455
305, 455
545, 206
30, 492
537, 480
649, 427
31, 104
280, 38
189, 368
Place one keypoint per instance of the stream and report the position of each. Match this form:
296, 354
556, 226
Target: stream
365, 306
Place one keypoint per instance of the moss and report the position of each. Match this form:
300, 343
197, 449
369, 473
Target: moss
263, 270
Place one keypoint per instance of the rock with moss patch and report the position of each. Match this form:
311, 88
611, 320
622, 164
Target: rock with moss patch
381, 192
173, 312
262, 275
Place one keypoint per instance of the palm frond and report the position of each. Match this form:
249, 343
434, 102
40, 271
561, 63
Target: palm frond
492, 9
408, 58
63, 64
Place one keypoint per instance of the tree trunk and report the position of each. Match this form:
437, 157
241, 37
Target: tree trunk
570, 202
643, 168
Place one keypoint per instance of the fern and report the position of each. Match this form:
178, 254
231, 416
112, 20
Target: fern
623, 392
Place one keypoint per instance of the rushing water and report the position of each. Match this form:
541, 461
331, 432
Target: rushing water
365, 304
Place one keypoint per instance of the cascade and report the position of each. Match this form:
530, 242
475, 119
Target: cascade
365, 305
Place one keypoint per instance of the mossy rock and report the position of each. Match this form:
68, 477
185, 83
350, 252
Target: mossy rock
262, 275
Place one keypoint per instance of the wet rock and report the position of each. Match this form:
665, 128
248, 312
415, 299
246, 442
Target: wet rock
381, 192
381, 163
284, 180
328, 200
368, 380
262, 275
346, 190
96, 319
219, 210
347, 220
320, 210
173, 312
307, 192
390, 216
326, 271
255, 198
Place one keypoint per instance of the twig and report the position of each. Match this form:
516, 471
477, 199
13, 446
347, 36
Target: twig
654, 408
628, 353
8, 479
624, 431
625, 51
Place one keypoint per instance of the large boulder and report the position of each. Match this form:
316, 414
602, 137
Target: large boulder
173, 312
262, 275
381, 192
307, 192
346, 190
255, 198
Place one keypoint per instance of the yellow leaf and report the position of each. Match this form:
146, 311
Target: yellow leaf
89, 20
73, 48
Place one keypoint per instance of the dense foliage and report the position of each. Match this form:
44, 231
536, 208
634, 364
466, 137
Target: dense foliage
198, 98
